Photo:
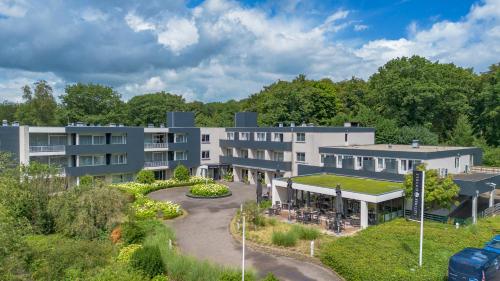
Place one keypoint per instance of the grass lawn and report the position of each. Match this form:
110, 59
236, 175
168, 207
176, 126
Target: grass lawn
390, 251
353, 184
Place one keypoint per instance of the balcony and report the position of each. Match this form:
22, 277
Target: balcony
155, 164
257, 163
48, 149
271, 145
155, 146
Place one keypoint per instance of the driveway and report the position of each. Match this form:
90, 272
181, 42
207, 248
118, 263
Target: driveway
204, 233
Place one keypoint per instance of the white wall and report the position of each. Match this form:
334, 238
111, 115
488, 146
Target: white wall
215, 150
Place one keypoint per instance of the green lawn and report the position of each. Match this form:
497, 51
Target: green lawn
354, 184
390, 251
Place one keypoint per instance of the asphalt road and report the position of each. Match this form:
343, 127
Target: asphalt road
204, 233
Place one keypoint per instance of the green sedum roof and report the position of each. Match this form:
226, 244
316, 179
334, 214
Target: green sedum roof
354, 184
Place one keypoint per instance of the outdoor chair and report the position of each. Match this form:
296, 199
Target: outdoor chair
315, 217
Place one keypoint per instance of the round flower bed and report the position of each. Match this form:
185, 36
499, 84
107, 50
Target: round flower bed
210, 190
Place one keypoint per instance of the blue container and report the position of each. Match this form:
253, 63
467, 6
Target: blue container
472, 264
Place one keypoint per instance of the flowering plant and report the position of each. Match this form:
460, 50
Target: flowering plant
209, 190
147, 208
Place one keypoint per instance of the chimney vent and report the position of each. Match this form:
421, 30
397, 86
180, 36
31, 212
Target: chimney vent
15, 124
347, 124
292, 124
79, 124
303, 124
150, 125
415, 144
280, 124
112, 124
5, 123
120, 125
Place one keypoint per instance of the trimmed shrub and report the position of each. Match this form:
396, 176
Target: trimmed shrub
126, 253
181, 173
209, 190
285, 239
305, 233
148, 259
87, 180
132, 233
146, 177
270, 277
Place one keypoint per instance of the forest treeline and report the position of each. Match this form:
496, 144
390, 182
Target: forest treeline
407, 98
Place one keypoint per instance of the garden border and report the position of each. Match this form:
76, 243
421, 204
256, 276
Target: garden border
190, 195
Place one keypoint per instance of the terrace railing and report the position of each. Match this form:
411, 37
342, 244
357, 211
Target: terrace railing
155, 145
47, 148
152, 164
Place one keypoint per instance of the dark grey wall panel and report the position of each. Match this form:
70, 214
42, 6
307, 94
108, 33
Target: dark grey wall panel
9, 141
180, 119
257, 163
245, 119
422, 155
284, 146
192, 146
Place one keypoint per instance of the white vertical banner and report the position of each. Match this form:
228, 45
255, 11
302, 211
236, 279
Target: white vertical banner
422, 219
243, 255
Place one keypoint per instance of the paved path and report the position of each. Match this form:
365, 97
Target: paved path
204, 233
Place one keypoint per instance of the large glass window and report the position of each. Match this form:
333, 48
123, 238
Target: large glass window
403, 165
260, 136
380, 163
230, 135
158, 138
301, 137
229, 152
301, 157
58, 140
117, 159
244, 136
180, 138
99, 160
118, 139
244, 153
457, 162
180, 155
260, 154
278, 156
86, 160
85, 139
278, 137
99, 140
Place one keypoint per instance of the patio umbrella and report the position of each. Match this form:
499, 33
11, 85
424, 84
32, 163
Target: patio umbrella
259, 190
308, 199
339, 206
289, 190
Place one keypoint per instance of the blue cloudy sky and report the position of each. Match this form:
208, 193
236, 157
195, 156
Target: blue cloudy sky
214, 50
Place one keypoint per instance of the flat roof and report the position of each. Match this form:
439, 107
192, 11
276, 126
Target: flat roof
354, 184
474, 176
401, 147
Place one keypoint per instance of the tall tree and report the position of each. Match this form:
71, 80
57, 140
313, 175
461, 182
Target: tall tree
415, 91
8, 110
462, 134
40, 107
152, 108
486, 106
92, 103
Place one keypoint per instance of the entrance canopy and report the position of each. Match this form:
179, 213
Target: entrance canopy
356, 188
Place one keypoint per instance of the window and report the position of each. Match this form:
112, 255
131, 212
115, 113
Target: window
380, 163
58, 140
278, 137
180, 138
180, 155
260, 136
301, 157
118, 139
205, 138
92, 160
346, 136
122, 178
244, 153
229, 152
360, 162
205, 154
117, 159
158, 138
278, 156
260, 154
339, 161
158, 156
457, 162
403, 165
58, 161
85, 139
99, 140
322, 158
230, 135
244, 136
301, 137
410, 164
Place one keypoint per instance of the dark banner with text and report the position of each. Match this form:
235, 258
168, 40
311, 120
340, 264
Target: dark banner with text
416, 204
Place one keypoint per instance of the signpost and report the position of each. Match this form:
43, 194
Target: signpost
417, 205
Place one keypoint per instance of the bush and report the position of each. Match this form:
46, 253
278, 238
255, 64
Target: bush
209, 190
253, 213
145, 176
305, 233
145, 208
265, 204
234, 275
285, 239
87, 180
126, 253
132, 233
270, 277
148, 260
115, 272
272, 221
181, 173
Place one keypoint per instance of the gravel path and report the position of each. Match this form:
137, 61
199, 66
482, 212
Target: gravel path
204, 233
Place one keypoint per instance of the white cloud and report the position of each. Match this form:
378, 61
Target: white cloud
13, 8
360, 27
138, 24
178, 34
91, 14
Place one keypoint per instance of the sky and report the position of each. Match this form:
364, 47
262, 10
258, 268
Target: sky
216, 50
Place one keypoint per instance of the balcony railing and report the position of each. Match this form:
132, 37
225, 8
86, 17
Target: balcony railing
155, 164
155, 145
48, 148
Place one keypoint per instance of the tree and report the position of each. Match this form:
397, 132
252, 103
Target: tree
40, 107
12, 262
440, 192
87, 212
92, 103
152, 108
145, 176
415, 91
8, 110
181, 173
462, 134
